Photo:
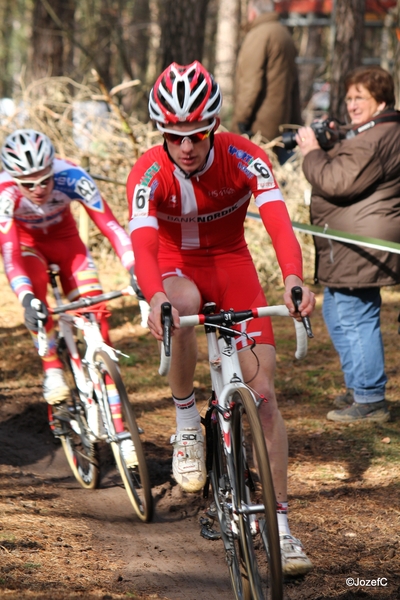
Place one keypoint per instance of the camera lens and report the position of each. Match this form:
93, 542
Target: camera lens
289, 140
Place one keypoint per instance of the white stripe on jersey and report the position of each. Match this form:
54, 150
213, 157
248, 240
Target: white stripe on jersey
189, 227
269, 196
137, 223
190, 219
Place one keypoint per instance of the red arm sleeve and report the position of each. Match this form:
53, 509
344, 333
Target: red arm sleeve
13, 262
145, 247
112, 230
288, 252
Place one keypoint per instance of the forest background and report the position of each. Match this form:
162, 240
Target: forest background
130, 41
81, 72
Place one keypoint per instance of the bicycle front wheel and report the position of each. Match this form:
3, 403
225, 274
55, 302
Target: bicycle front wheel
256, 501
71, 427
81, 453
134, 474
222, 492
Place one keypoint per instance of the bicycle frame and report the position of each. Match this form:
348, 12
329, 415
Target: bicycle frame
225, 369
99, 406
241, 515
87, 323
226, 378
87, 386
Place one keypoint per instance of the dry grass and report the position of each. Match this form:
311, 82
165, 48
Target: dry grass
48, 105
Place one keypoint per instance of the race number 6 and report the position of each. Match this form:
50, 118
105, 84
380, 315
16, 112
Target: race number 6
141, 197
263, 174
261, 169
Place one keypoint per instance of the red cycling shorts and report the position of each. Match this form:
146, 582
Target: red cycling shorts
229, 280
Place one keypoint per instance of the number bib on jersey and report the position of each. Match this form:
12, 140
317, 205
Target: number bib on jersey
265, 179
140, 204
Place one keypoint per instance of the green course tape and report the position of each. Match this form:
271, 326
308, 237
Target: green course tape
341, 236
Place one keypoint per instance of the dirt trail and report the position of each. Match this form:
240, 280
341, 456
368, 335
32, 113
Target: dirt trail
167, 557
59, 542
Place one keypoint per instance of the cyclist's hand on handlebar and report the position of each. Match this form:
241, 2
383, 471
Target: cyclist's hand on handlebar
307, 304
35, 311
303, 301
154, 320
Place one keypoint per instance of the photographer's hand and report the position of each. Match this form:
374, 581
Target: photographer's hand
306, 140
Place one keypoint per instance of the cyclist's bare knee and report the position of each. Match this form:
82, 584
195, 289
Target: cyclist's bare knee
183, 295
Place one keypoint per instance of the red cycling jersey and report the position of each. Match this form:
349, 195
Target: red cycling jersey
50, 229
175, 218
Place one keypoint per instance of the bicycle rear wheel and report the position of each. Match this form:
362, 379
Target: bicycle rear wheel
71, 427
259, 533
135, 477
222, 492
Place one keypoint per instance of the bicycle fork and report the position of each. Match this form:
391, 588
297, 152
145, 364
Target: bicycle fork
84, 382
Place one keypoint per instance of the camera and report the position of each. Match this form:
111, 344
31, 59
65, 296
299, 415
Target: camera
326, 136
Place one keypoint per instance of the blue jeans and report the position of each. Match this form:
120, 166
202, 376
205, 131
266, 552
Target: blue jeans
353, 321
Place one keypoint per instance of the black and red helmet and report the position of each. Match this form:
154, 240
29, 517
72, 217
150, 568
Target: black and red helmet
184, 94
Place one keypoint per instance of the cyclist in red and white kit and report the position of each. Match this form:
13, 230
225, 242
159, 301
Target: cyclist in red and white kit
38, 229
188, 200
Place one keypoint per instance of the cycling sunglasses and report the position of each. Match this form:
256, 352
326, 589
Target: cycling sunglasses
196, 136
31, 184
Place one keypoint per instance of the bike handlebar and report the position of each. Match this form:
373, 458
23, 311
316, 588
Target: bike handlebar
297, 296
87, 301
224, 321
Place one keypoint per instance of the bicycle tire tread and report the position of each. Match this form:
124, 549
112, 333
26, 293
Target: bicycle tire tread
268, 495
145, 509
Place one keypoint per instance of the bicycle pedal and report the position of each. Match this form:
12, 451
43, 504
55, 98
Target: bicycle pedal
212, 511
209, 534
56, 430
63, 412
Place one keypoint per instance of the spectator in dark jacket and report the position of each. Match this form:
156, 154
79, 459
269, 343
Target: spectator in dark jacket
356, 188
267, 85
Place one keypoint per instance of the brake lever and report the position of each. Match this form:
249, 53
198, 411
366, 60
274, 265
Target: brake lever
166, 320
297, 295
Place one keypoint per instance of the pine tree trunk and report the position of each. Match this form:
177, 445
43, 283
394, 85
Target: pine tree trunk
182, 25
226, 52
310, 47
49, 51
396, 66
347, 49
6, 84
140, 39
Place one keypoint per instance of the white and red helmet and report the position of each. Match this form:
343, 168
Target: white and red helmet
26, 151
184, 94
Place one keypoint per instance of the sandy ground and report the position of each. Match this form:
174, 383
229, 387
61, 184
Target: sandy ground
60, 542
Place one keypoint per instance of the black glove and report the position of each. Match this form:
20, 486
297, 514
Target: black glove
135, 286
35, 311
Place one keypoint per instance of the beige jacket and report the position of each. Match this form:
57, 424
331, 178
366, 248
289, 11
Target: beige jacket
267, 88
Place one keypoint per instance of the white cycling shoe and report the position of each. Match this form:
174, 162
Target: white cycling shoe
129, 453
55, 390
294, 560
188, 466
